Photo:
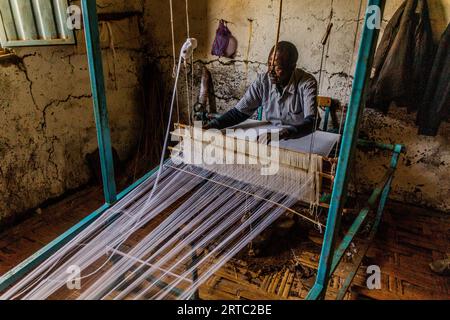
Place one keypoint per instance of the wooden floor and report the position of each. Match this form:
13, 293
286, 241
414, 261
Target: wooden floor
408, 240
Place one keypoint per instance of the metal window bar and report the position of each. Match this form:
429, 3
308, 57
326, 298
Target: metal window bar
34, 23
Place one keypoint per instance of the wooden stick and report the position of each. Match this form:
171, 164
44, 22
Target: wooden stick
264, 283
275, 282
283, 282
280, 14
266, 286
289, 283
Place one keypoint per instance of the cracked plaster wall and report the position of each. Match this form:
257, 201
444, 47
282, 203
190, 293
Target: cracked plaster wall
421, 175
46, 117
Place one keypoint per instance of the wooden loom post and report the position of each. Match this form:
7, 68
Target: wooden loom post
94, 56
349, 140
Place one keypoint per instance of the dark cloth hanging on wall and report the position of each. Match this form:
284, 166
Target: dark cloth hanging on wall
403, 59
436, 102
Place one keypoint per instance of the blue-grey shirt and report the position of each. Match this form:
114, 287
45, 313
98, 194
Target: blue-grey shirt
292, 108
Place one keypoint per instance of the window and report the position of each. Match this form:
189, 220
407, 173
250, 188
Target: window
34, 23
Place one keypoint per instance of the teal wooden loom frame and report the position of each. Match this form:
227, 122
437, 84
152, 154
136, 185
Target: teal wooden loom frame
331, 254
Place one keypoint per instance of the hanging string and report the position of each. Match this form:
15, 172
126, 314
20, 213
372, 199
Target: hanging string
192, 55
174, 54
188, 95
189, 91
341, 122
173, 40
192, 81
314, 207
107, 35
319, 85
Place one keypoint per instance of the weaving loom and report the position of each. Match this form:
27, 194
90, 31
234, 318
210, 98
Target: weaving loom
301, 163
195, 222
170, 231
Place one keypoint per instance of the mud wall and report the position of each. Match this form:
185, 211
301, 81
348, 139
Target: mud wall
46, 116
421, 175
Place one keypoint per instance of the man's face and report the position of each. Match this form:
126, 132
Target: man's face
280, 71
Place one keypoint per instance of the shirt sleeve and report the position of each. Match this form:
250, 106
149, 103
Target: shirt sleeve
252, 99
310, 98
309, 103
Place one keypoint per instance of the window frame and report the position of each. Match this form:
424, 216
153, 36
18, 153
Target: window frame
5, 42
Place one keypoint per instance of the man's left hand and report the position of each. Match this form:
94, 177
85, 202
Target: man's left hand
284, 134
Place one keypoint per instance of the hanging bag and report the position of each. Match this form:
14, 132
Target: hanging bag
224, 42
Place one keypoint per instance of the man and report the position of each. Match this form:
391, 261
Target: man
287, 94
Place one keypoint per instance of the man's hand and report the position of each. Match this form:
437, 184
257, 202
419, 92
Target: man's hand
284, 133
267, 137
206, 126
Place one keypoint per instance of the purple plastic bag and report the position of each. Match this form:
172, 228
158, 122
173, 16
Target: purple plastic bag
222, 40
